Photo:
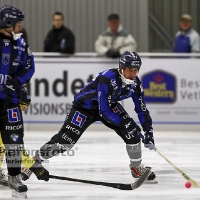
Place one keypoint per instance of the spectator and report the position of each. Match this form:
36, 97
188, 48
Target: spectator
187, 39
59, 38
115, 40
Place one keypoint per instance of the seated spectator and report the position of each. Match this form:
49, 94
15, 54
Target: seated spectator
187, 39
115, 40
59, 38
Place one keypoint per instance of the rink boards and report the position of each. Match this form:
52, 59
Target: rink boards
171, 86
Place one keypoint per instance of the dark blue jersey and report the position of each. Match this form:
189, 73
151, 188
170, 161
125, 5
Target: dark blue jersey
103, 92
17, 63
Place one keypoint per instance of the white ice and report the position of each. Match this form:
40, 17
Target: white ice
101, 156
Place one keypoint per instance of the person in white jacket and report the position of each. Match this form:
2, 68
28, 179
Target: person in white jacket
115, 40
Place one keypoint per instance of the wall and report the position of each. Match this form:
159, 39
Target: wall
86, 18
167, 13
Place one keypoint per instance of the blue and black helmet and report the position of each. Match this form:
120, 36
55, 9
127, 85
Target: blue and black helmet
9, 16
130, 59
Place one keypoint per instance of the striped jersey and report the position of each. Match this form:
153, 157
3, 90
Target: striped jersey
17, 63
103, 92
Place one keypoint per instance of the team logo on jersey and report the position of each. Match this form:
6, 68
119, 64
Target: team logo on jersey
78, 119
5, 58
159, 87
14, 115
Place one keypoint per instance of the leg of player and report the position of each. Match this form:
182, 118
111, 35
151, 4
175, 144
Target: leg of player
3, 175
133, 147
75, 124
12, 133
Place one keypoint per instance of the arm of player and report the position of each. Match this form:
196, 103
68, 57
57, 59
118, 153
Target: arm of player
104, 96
25, 99
28, 67
144, 116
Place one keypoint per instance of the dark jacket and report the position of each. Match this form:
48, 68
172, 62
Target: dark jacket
60, 40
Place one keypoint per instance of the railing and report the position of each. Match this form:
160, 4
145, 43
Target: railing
94, 54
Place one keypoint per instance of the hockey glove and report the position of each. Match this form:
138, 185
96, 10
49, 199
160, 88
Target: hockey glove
11, 86
40, 171
25, 99
149, 139
131, 127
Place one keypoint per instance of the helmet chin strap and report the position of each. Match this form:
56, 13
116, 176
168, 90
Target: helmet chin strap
125, 80
16, 35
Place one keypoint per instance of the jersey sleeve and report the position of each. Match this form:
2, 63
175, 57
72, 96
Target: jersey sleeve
27, 69
104, 89
140, 107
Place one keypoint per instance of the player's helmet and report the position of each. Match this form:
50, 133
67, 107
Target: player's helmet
131, 60
9, 16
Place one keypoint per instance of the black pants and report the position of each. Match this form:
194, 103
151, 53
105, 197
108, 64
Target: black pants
12, 132
76, 122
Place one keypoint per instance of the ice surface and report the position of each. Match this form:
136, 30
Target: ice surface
101, 156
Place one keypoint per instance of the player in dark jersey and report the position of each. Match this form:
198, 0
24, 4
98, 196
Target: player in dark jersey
16, 68
99, 101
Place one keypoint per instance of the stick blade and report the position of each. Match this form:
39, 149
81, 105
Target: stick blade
142, 179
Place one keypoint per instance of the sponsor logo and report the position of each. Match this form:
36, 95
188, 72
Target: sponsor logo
5, 58
14, 147
15, 63
126, 116
117, 110
127, 125
12, 128
142, 104
62, 147
4, 78
10, 16
6, 42
159, 87
19, 48
23, 42
14, 137
73, 129
114, 84
66, 138
129, 136
78, 119
29, 51
14, 115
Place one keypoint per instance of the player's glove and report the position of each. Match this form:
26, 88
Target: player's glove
149, 139
25, 99
40, 171
112, 54
11, 86
131, 127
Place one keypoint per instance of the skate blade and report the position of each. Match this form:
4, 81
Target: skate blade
16, 194
154, 181
4, 183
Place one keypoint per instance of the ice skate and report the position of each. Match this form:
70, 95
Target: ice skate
25, 174
139, 170
3, 178
19, 190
